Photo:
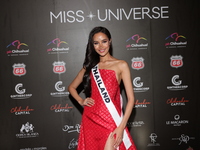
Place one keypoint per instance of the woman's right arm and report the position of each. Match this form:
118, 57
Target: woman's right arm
75, 83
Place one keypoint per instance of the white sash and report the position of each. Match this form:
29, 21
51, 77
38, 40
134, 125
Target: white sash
109, 104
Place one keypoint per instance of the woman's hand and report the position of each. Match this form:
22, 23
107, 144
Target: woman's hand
117, 134
87, 102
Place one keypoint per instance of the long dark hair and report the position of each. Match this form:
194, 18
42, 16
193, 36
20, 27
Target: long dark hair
92, 57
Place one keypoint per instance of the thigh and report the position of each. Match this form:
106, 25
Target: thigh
109, 143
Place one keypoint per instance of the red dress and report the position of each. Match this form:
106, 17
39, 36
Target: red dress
97, 122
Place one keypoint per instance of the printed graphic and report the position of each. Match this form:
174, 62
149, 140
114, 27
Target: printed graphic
136, 42
27, 131
153, 138
16, 48
175, 41
70, 129
59, 108
135, 124
177, 102
59, 67
34, 148
60, 90
138, 85
176, 61
57, 46
20, 111
119, 14
177, 122
21, 92
19, 69
184, 139
143, 104
177, 84
73, 143
137, 63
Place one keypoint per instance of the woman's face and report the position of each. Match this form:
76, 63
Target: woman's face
101, 43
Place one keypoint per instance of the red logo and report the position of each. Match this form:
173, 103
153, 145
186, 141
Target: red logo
176, 61
137, 63
143, 104
20, 111
59, 67
19, 69
177, 102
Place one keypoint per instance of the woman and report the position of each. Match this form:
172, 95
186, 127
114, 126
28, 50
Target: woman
103, 127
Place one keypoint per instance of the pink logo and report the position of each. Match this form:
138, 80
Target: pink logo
136, 38
137, 43
175, 40
17, 44
57, 42
175, 36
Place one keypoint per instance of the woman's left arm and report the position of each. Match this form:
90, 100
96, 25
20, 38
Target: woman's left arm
126, 77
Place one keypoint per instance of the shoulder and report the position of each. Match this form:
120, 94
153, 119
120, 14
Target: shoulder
122, 64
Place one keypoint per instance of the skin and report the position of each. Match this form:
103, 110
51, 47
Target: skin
102, 45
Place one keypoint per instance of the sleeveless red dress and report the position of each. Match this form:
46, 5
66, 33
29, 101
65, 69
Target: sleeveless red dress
97, 122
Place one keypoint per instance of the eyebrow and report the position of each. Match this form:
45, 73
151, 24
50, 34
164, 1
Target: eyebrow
101, 40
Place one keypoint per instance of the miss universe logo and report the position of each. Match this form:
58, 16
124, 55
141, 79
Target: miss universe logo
119, 14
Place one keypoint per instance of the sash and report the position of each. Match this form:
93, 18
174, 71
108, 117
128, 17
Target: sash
109, 104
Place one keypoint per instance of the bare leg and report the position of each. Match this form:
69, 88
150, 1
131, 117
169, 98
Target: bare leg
109, 143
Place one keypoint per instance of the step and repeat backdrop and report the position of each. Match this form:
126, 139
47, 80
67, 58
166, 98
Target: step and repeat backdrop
43, 46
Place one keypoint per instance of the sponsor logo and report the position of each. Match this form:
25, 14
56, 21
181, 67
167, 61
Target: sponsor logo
59, 67
138, 85
135, 124
176, 102
142, 104
20, 111
177, 122
73, 143
175, 41
177, 84
70, 129
34, 148
60, 90
59, 108
183, 139
57, 46
119, 14
21, 92
16, 48
153, 138
26, 131
19, 69
176, 61
137, 63
136, 43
